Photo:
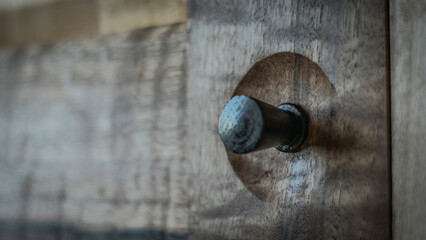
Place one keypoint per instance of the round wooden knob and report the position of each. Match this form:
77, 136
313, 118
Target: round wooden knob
247, 125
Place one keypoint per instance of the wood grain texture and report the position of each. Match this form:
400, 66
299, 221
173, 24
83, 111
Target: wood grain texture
408, 90
16, 4
305, 84
65, 19
91, 138
124, 15
338, 190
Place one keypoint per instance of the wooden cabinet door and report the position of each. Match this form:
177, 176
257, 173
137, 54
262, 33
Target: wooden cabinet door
338, 186
115, 136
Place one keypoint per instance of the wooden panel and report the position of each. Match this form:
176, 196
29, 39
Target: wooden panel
131, 14
339, 189
64, 19
15, 4
408, 86
47, 23
91, 138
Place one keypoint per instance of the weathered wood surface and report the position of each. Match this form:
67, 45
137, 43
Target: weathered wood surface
408, 91
16, 4
339, 189
264, 173
92, 138
36, 21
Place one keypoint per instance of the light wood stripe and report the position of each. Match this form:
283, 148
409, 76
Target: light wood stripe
408, 90
59, 20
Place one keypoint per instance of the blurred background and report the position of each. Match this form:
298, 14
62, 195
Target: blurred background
39, 21
91, 119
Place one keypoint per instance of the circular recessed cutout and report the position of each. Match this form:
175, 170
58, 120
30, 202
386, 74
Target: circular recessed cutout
285, 78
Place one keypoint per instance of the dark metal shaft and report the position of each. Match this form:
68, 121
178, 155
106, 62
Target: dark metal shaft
247, 124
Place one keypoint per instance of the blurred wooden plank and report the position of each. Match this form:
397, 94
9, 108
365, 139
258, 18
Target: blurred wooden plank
408, 91
48, 23
91, 143
131, 14
58, 20
338, 187
16, 4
